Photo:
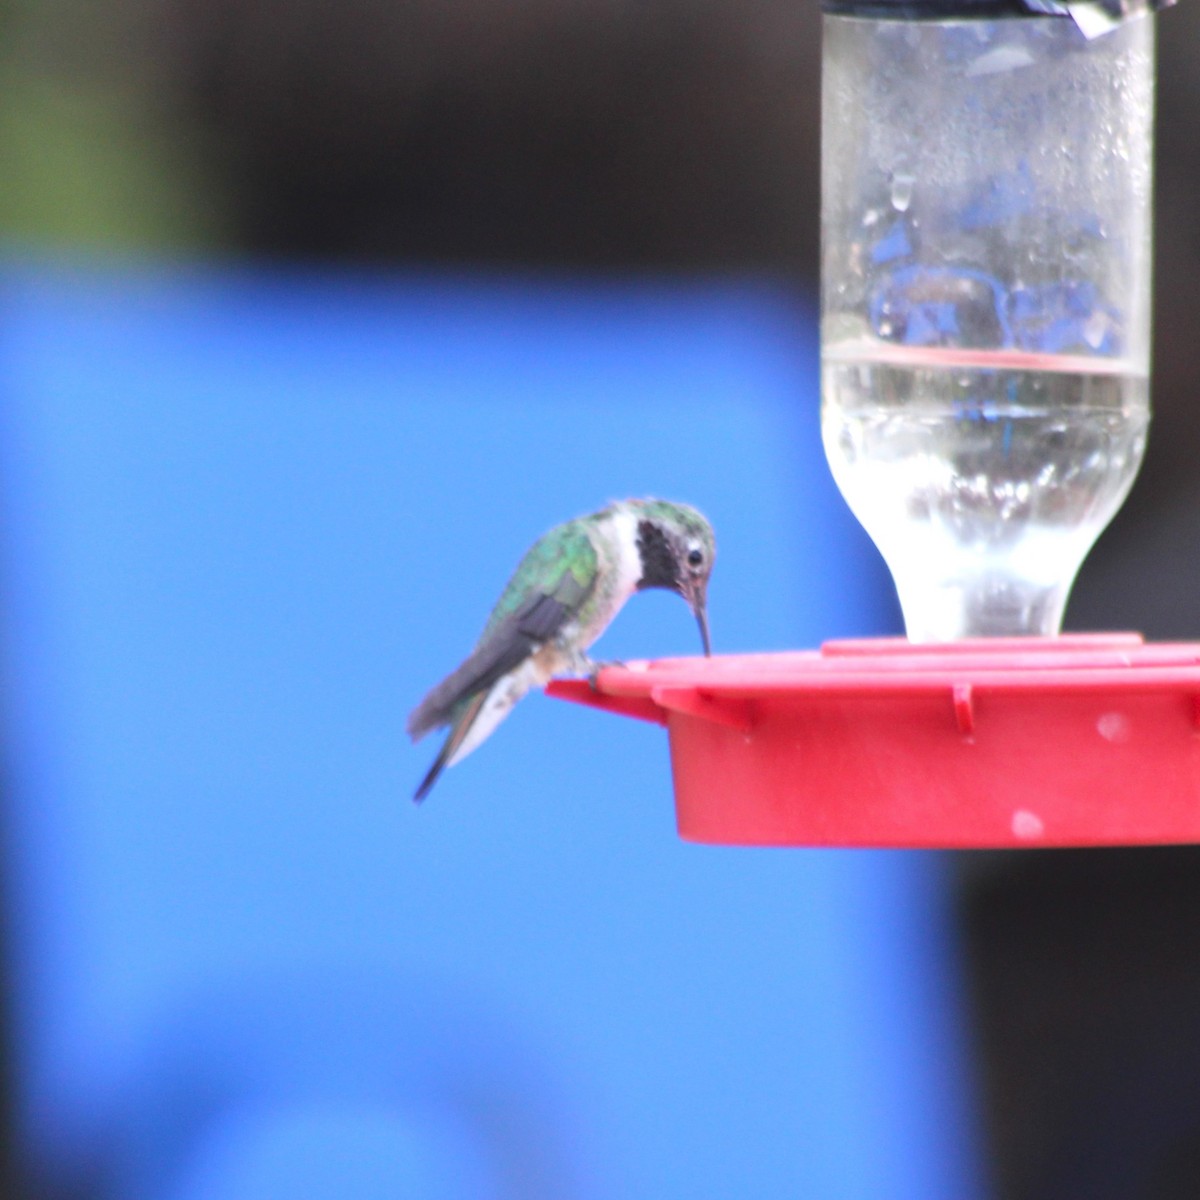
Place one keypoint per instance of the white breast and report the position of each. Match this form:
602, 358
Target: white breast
623, 542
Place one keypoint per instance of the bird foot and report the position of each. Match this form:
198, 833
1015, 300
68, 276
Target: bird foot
595, 668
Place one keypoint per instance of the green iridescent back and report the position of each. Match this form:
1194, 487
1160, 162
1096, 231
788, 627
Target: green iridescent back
560, 563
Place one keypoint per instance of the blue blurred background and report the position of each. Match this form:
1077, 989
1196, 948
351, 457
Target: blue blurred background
314, 316
251, 516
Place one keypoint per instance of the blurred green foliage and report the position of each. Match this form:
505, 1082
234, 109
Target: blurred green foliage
91, 165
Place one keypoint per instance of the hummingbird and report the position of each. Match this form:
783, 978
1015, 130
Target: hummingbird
571, 583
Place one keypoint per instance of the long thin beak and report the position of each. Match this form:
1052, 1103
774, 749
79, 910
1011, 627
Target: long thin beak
699, 602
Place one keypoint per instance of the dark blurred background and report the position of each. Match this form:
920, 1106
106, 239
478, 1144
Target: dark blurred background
676, 137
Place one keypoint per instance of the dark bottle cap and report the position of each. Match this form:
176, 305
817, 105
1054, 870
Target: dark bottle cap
948, 10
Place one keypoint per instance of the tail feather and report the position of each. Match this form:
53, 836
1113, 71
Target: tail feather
454, 739
426, 784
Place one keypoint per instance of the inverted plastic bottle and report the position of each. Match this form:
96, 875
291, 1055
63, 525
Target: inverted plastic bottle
986, 293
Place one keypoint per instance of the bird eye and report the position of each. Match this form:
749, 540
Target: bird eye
695, 557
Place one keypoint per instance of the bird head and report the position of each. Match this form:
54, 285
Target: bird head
677, 549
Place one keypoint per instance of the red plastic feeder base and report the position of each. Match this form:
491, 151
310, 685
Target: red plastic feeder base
1083, 740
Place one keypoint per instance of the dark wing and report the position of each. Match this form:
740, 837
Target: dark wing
505, 645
